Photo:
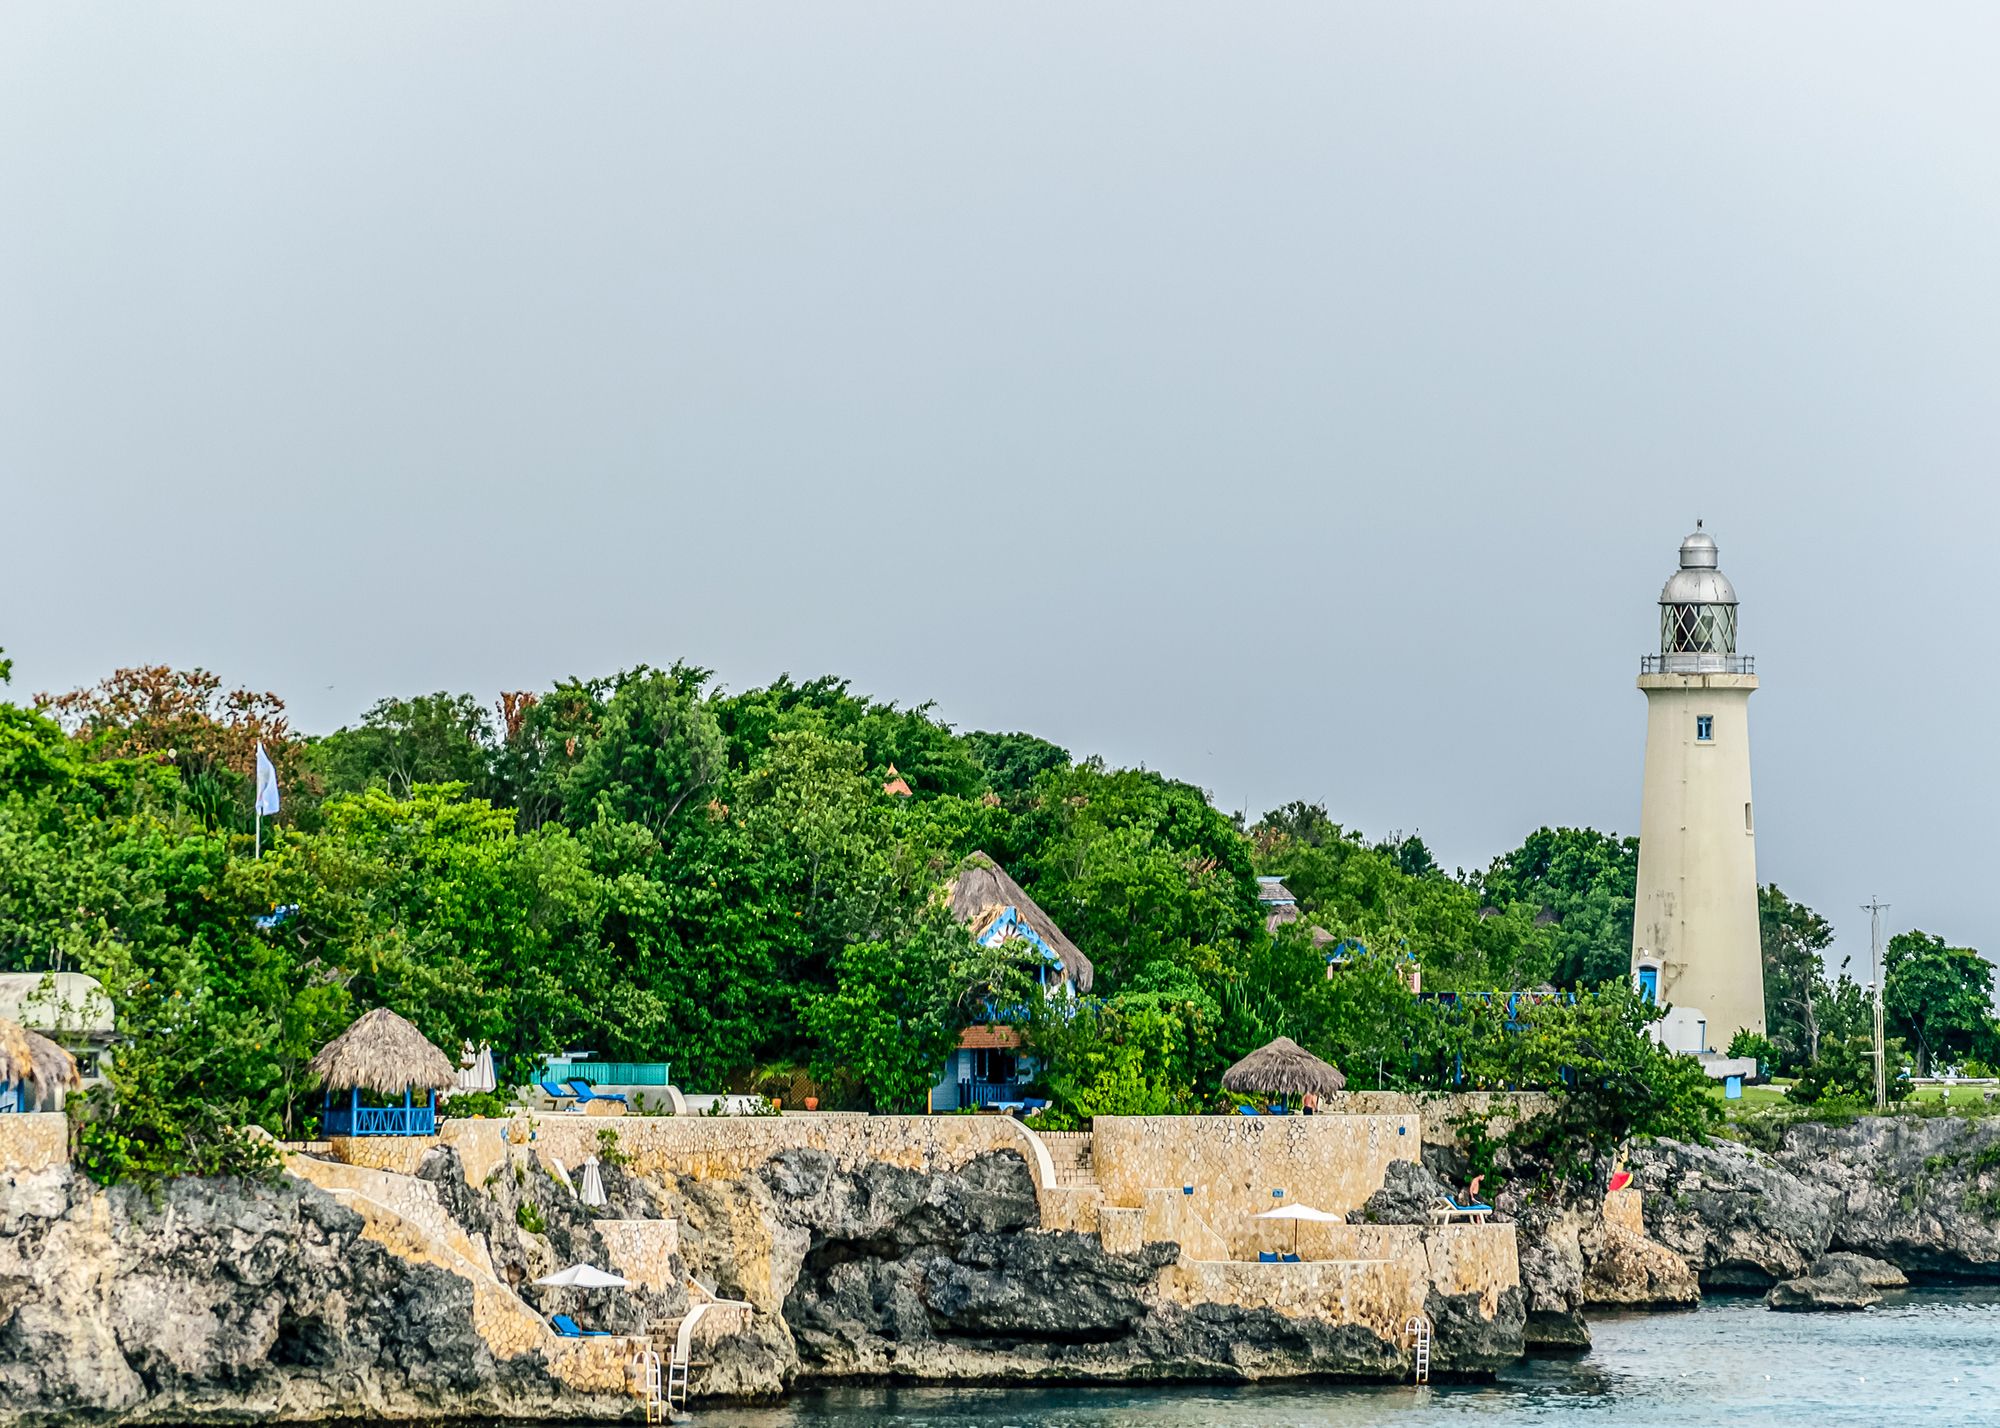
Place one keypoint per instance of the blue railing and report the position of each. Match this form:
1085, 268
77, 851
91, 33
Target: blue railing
609, 1073
378, 1120
988, 1093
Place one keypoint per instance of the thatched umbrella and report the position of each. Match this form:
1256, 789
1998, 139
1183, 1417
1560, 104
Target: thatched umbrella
30, 1060
383, 1055
1284, 1068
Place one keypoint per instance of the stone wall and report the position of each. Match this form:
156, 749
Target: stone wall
727, 1147
1332, 1162
642, 1250
1502, 1109
33, 1141
1378, 1295
399, 1153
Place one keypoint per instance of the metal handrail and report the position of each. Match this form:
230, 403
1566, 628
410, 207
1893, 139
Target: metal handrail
1692, 662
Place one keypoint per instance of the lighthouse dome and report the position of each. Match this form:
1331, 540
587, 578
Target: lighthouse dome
1699, 581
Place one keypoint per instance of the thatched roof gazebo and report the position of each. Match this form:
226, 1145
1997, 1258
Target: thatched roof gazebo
1284, 1068
385, 1056
996, 907
34, 1071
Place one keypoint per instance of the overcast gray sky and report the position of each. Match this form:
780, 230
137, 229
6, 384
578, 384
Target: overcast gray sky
1305, 400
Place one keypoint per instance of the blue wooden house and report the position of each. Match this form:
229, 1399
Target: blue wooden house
988, 1067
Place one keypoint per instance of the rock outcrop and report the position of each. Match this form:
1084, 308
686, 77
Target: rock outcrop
880, 1272
1875, 1273
1920, 1192
1834, 1287
1741, 1220
225, 1300
1630, 1271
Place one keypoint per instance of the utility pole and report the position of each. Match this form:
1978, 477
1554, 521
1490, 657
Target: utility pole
1875, 907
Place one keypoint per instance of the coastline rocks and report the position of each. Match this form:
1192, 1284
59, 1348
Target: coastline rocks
1920, 1192
1550, 1249
1408, 1193
1875, 1273
1630, 1271
217, 1299
1740, 1220
1838, 1289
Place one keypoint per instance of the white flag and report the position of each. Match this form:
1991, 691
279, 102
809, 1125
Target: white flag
267, 782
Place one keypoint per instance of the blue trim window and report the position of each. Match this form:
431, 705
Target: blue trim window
1649, 984
1704, 728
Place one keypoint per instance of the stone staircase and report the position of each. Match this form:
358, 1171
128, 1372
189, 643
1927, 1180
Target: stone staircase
1070, 1155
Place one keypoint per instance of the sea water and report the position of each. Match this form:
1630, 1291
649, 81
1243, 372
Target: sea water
1930, 1357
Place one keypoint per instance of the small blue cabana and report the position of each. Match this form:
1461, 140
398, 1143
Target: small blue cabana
368, 1069
35, 1073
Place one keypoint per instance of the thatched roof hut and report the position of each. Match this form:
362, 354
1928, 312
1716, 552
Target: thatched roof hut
982, 892
31, 1059
1284, 1068
384, 1055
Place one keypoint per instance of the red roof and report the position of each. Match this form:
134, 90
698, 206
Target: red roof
989, 1038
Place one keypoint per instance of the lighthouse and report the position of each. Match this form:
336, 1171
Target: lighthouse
1695, 946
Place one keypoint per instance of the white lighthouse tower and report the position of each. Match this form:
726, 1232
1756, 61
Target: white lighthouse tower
1695, 946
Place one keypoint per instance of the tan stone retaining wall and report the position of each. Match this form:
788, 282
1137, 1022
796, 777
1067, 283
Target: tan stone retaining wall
1381, 1295
32, 1141
399, 1153
1502, 1109
642, 1250
1332, 1162
725, 1147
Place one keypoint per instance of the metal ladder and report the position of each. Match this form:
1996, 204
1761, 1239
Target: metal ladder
649, 1386
1419, 1332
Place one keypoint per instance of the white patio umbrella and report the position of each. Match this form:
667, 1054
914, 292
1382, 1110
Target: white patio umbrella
590, 1190
584, 1276
1296, 1212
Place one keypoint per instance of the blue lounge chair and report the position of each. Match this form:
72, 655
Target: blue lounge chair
1446, 1209
1277, 1110
1267, 1256
1246, 1110
1289, 1259
584, 1091
566, 1327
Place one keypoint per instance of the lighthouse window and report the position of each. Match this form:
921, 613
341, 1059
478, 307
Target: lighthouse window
1704, 727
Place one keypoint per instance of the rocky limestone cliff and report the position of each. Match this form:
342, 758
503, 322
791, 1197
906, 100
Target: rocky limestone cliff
877, 1271
220, 1300
1922, 1193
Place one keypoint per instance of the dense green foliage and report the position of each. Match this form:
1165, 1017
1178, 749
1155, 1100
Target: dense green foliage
649, 868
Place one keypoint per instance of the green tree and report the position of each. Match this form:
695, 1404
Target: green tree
1795, 939
656, 747
1012, 762
899, 1001
1939, 998
1136, 868
433, 738
1583, 884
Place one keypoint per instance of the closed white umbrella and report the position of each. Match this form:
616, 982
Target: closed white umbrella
475, 1071
591, 1190
583, 1276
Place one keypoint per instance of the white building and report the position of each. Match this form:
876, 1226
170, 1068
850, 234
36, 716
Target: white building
1695, 945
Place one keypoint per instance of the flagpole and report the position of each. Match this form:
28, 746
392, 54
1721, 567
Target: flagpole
259, 854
